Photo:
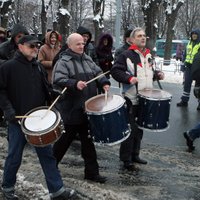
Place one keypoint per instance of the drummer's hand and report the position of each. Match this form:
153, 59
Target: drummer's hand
161, 75
106, 87
81, 85
133, 80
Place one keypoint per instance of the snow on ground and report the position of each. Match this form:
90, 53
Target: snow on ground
172, 70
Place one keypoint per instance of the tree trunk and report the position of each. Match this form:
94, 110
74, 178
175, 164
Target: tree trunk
4, 9
151, 19
43, 19
98, 10
63, 20
171, 19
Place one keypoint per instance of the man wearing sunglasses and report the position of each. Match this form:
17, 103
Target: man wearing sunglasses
23, 86
7, 50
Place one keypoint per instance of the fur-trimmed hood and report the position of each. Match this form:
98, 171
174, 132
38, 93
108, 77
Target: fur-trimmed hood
101, 46
47, 38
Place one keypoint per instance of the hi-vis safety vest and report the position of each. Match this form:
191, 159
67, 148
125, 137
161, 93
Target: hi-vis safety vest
191, 51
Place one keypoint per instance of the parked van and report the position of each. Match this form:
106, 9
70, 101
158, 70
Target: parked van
178, 48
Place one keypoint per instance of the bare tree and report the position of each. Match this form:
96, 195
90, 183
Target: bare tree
131, 16
188, 18
162, 24
43, 18
80, 10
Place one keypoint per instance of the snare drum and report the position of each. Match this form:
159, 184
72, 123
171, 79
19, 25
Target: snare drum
107, 119
154, 109
42, 126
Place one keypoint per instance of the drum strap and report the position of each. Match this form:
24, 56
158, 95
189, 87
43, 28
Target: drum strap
76, 70
157, 79
135, 68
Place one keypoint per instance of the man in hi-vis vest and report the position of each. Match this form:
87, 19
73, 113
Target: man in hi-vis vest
191, 50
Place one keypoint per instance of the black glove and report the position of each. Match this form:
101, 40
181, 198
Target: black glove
182, 68
9, 115
197, 92
54, 93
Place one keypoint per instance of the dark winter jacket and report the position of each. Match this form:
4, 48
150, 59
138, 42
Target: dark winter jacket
3, 36
22, 85
8, 48
104, 52
192, 48
195, 69
70, 69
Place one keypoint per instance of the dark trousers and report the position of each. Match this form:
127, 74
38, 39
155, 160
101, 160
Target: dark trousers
88, 151
187, 84
131, 146
1, 115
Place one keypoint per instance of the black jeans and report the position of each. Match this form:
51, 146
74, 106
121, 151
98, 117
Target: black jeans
88, 151
130, 148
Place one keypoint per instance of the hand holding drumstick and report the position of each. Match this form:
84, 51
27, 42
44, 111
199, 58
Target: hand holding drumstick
82, 84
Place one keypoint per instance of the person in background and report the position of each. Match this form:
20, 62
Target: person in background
73, 70
26, 76
48, 51
180, 51
191, 50
194, 133
191, 135
104, 52
3, 37
8, 48
135, 75
125, 46
89, 48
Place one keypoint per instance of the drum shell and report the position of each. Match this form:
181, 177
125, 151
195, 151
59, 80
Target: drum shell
153, 113
47, 136
109, 127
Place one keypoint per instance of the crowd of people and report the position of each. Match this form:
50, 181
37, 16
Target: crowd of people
31, 72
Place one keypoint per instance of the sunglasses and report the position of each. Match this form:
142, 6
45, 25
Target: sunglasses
32, 46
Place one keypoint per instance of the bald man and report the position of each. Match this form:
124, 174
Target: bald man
73, 70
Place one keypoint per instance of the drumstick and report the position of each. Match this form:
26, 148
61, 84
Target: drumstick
106, 96
97, 77
24, 116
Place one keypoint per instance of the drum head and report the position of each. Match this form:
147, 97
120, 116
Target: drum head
154, 94
98, 104
40, 120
